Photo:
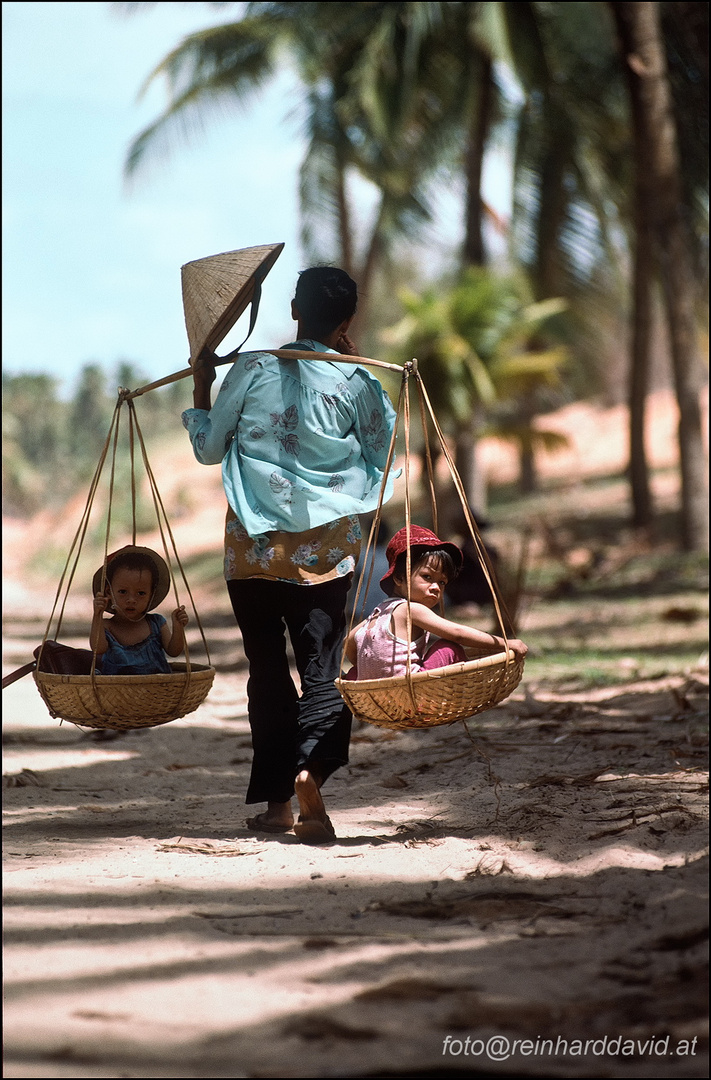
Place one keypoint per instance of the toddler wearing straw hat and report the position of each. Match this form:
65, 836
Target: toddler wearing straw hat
132, 641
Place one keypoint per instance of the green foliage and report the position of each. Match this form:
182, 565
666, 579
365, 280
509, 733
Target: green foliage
34, 440
88, 421
484, 348
51, 447
480, 342
411, 98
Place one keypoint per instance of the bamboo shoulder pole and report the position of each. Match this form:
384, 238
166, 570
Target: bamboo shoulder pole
283, 354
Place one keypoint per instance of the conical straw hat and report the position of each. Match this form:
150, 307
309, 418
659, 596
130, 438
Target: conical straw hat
216, 290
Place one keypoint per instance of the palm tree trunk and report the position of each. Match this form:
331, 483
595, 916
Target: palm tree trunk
528, 477
552, 211
368, 268
644, 50
344, 222
677, 282
643, 277
468, 464
640, 490
474, 253
431, 504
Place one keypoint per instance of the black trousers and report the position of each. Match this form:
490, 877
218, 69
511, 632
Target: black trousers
291, 732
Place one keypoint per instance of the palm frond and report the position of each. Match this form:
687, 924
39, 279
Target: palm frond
211, 72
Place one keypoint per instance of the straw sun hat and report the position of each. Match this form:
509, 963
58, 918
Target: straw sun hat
216, 291
163, 586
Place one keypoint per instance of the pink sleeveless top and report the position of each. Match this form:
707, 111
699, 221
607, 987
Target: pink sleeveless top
381, 655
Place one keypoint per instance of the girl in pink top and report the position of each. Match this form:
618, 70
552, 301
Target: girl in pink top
378, 646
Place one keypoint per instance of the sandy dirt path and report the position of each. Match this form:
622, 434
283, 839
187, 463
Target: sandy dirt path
543, 886
530, 903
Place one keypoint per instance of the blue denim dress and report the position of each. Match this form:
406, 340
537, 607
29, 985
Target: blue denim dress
146, 658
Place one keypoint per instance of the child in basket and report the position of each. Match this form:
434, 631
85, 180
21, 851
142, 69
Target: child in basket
134, 642
378, 646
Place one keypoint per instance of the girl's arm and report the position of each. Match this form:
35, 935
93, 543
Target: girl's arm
426, 619
97, 635
174, 643
351, 646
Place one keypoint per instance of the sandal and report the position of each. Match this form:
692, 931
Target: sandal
313, 831
259, 825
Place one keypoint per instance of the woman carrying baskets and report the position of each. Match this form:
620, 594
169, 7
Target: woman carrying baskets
378, 647
303, 446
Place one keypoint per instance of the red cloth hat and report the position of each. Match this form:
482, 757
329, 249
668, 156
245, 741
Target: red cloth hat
421, 538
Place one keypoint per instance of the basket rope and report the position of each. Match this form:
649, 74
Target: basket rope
69, 571
496, 676
497, 686
482, 554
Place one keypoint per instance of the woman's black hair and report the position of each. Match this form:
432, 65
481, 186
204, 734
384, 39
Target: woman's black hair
325, 297
445, 564
133, 560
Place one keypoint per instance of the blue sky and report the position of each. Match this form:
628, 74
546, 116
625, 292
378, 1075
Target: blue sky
91, 269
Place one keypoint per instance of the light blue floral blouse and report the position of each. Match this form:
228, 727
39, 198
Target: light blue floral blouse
301, 442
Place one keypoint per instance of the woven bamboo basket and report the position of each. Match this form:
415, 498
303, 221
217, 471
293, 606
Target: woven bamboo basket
123, 702
425, 699
442, 695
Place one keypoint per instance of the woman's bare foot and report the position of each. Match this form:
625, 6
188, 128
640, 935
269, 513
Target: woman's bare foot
277, 818
314, 825
311, 805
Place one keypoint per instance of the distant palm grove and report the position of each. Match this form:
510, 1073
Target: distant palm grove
52, 445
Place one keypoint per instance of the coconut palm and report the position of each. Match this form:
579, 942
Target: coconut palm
561, 224
437, 81
483, 352
575, 184
395, 89
527, 370
662, 232
570, 136
330, 45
